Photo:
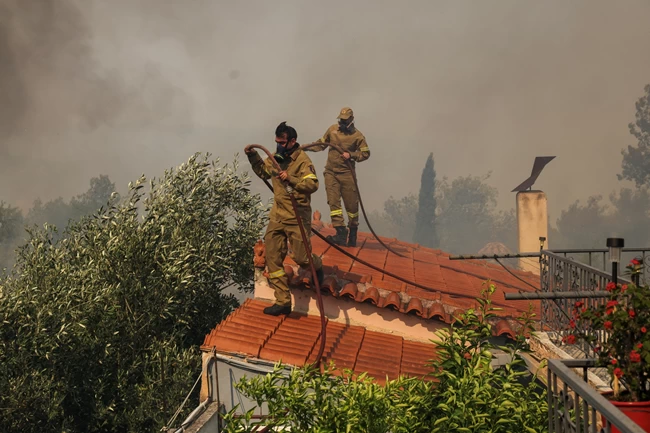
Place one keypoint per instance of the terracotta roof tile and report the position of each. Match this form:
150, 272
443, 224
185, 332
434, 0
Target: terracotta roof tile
451, 285
503, 328
295, 340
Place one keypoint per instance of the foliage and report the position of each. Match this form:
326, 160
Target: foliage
310, 401
425, 225
468, 218
636, 159
625, 318
11, 225
100, 326
467, 394
58, 213
588, 225
397, 218
474, 397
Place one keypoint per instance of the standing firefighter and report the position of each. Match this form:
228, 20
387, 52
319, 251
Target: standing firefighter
338, 177
297, 175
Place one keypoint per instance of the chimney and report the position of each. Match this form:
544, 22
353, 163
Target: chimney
532, 223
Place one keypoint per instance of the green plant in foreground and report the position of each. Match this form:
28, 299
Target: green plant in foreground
475, 397
466, 395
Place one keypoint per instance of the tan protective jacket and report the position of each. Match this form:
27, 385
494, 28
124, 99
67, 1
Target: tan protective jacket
302, 178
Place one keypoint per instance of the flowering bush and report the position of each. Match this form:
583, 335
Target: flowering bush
634, 269
623, 320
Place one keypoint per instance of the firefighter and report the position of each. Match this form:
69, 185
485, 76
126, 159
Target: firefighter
297, 175
338, 177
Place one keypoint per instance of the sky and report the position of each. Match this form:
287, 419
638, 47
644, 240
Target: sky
131, 87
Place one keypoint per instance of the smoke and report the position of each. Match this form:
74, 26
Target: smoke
135, 86
59, 99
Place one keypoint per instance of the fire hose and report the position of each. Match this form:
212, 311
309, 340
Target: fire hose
305, 240
319, 296
347, 254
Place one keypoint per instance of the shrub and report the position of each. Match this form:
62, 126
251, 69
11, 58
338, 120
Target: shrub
100, 327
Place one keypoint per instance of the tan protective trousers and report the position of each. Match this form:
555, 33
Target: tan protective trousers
339, 185
275, 240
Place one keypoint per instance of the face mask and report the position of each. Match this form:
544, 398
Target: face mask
281, 153
280, 149
346, 125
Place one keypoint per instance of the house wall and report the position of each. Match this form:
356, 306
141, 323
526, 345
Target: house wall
350, 312
228, 370
532, 223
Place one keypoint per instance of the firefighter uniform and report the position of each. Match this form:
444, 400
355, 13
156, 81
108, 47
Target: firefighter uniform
339, 182
283, 224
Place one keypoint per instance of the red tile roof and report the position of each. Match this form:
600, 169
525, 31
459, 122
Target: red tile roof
295, 339
453, 285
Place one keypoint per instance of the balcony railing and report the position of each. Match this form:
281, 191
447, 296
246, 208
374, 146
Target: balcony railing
575, 407
599, 259
563, 274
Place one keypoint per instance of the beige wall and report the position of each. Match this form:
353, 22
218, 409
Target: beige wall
532, 222
354, 313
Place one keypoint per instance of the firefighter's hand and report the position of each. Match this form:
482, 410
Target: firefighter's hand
283, 176
249, 150
345, 155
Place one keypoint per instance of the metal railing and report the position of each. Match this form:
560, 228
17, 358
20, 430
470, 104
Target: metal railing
599, 258
563, 274
575, 407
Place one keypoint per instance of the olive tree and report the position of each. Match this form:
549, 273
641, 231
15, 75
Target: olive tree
100, 326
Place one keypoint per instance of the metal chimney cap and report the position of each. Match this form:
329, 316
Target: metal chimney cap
615, 242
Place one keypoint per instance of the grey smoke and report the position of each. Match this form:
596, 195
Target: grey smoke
135, 86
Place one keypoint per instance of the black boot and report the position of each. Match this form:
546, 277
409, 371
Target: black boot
341, 236
352, 239
276, 310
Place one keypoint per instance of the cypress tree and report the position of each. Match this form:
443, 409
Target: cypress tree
425, 227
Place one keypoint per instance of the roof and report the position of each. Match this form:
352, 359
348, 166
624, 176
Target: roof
452, 288
295, 340
494, 248
453, 285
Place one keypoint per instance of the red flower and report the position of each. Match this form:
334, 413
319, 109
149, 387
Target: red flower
643, 329
572, 324
635, 357
597, 349
579, 304
639, 346
623, 288
631, 313
610, 307
614, 362
610, 286
584, 310
571, 339
608, 325
618, 372
635, 262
